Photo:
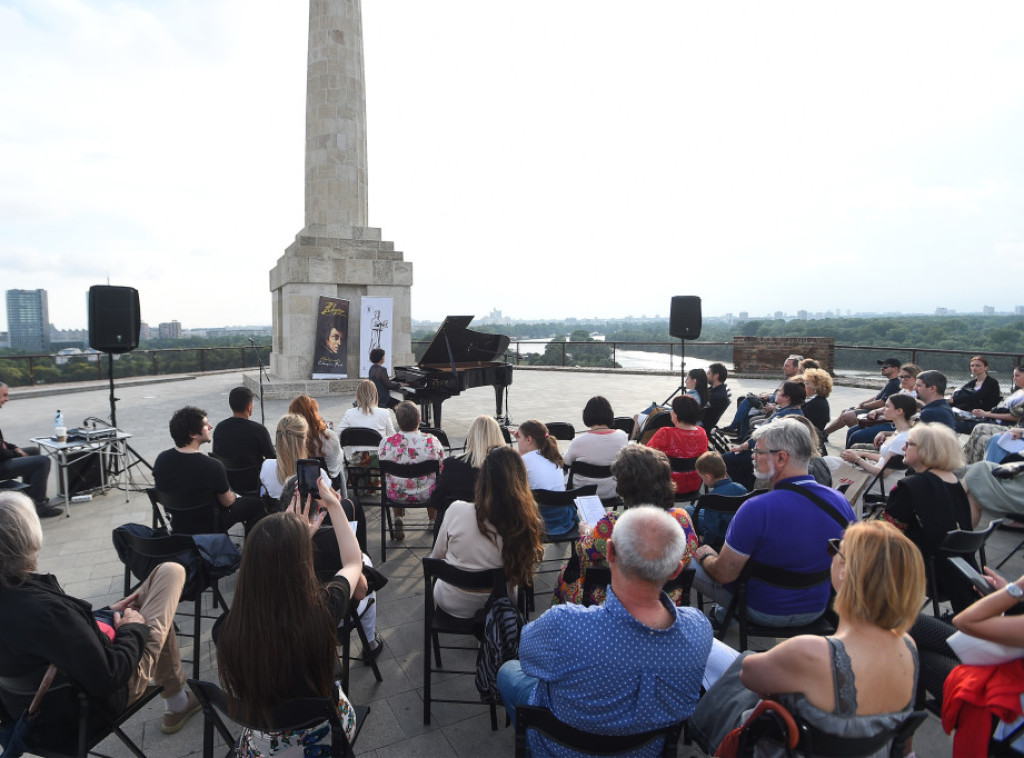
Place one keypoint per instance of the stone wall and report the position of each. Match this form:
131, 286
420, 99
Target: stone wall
756, 356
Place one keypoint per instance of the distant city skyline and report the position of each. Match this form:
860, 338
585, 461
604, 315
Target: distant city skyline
543, 159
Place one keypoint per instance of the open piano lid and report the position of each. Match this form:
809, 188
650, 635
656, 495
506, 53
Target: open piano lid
466, 346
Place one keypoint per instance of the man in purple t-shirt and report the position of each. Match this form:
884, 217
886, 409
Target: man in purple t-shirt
783, 529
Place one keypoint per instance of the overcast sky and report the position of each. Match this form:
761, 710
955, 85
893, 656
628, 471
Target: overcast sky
546, 158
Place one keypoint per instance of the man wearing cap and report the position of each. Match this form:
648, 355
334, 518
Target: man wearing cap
890, 368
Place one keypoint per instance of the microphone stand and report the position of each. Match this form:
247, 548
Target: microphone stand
263, 415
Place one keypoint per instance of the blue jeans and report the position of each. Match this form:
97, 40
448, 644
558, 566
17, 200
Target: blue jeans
993, 452
705, 585
856, 435
515, 687
34, 470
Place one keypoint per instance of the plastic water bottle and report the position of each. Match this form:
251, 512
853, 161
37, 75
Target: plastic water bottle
60, 432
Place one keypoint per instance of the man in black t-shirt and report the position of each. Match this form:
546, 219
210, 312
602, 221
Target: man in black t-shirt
197, 480
238, 437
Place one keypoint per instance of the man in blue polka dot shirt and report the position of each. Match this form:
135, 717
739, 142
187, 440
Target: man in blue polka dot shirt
631, 665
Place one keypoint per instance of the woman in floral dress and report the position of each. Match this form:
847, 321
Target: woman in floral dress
410, 445
644, 477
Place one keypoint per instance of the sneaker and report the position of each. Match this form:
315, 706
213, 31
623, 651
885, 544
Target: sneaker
48, 511
399, 530
173, 722
430, 525
374, 652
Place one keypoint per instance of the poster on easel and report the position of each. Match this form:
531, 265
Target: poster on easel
376, 316
330, 349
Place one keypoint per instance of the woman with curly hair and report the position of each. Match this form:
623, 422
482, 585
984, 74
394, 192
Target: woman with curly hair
500, 529
818, 385
643, 476
321, 440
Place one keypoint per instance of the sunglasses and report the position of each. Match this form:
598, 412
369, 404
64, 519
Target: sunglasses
833, 548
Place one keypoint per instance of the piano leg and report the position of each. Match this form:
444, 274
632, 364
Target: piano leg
437, 413
498, 391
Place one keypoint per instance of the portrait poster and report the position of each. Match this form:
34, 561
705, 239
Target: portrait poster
330, 349
376, 315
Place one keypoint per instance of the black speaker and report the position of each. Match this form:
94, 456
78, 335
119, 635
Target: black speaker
685, 321
113, 318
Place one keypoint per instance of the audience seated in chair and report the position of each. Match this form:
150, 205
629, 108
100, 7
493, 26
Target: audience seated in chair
684, 439
788, 401
818, 386
239, 437
930, 387
857, 683
931, 502
278, 641
28, 465
630, 665
189, 475
784, 529
986, 438
501, 528
321, 441
410, 445
643, 477
113, 653
458, 478
713, 473
598, 445
890, 368
756, 406
718, 396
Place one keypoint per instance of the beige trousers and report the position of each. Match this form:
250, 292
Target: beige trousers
158, 601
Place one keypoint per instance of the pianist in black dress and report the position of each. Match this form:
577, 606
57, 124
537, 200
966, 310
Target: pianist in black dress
379, 376
458, 478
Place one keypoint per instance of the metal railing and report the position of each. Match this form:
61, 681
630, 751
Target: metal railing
32, 370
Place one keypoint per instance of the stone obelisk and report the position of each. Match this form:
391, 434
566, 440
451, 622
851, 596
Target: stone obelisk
336, 254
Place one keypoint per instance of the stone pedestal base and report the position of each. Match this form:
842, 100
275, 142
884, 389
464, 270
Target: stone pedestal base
284, 389
348, 263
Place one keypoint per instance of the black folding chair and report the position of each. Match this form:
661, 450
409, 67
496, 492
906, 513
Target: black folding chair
243, 473
94, 722
167, 506
726, 505
300, 713
778, 577
561, 430
442, 437
400, 471
362, 481
685, 466
437, 621
625, 423
958, 543
592, 471
875, 502
815, 743
152, 551
542, 720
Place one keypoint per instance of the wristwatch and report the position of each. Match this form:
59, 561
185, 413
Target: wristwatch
1014, 591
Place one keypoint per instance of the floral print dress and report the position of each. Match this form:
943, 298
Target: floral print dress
411, 447
592, 550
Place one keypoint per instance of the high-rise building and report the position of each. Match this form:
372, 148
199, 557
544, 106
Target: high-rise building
170, 330
28, 320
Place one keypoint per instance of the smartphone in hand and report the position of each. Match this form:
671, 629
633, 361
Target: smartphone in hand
308, 472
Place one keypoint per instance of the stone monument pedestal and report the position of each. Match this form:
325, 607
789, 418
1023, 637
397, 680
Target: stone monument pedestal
337, 254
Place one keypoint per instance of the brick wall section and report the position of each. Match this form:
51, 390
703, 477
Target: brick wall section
755, 356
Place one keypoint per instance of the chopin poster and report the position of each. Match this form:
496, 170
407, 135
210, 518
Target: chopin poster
330, 350
376, 315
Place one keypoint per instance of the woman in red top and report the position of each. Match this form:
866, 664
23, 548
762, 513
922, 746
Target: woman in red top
684, 439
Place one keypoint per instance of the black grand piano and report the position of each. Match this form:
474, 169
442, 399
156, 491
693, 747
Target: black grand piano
456, 359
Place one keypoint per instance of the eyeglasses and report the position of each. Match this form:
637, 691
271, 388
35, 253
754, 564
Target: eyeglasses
763, 451
907, 376
833, 548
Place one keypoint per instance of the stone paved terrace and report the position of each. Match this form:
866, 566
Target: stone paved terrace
78, 549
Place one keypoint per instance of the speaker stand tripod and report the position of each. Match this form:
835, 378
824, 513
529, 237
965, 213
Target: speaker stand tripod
131, 458
682, 372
